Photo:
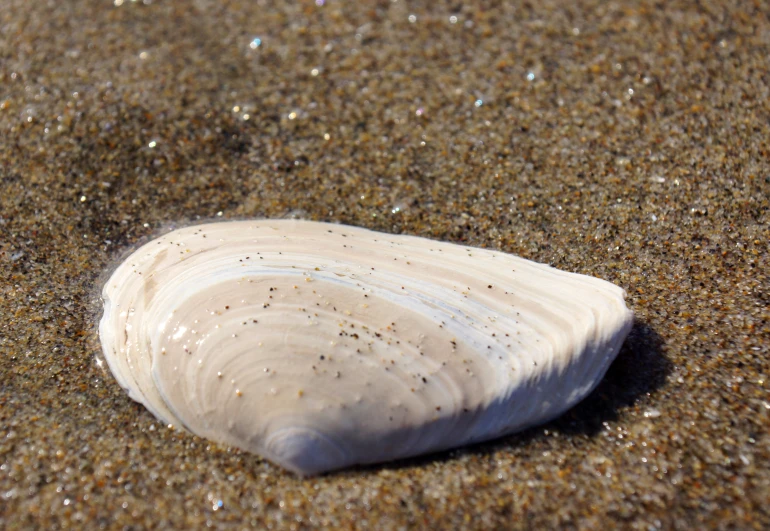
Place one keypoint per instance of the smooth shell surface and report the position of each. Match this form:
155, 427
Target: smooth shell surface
321, 346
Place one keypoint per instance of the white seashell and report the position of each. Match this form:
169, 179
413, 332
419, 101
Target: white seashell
321, 346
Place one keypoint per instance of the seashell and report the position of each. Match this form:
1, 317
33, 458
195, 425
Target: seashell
321, 346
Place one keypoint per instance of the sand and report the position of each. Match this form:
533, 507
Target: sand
625, 140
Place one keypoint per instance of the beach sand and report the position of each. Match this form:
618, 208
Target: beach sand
627, 140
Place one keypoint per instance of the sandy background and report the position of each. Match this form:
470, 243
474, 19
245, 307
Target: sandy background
626, 140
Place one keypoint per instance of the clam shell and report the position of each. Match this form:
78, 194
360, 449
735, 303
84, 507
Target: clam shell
321, 346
